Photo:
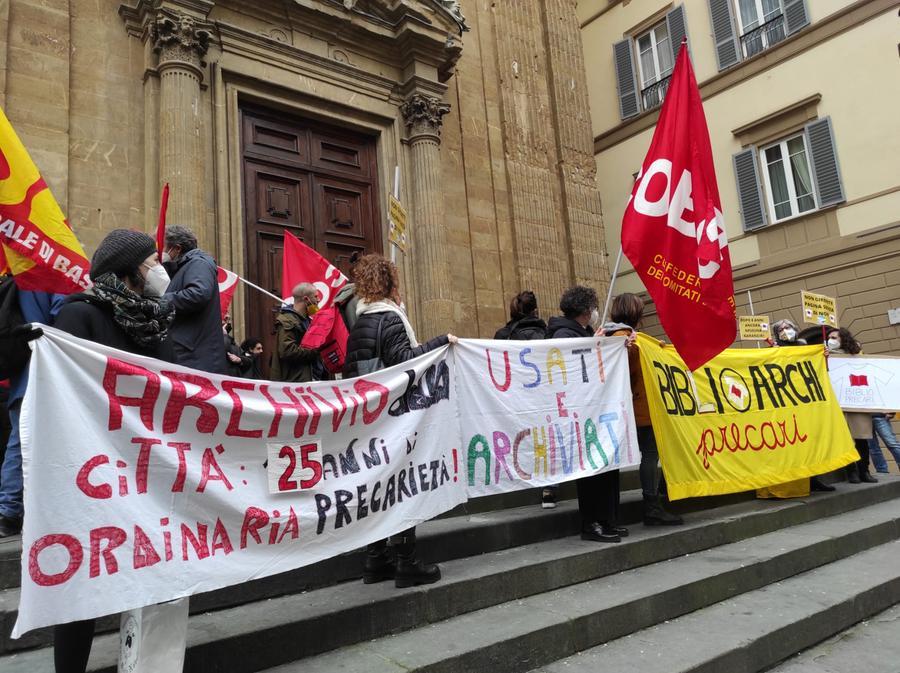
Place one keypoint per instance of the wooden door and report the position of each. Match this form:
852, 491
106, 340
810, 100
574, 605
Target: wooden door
316, 181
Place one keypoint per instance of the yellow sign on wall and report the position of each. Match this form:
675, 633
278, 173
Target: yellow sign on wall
818, 309
397, 217
754, 327
772, 418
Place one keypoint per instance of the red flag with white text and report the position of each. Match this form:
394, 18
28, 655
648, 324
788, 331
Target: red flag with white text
302, 264
228, 281
673, 230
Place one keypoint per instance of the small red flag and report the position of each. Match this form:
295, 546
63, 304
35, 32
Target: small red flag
228, 281
302, 264
673, 231
858, 380
161, 226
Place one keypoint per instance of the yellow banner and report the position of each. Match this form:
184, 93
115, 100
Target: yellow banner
763, 417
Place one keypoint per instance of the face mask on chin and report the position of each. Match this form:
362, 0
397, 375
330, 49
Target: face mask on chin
156, 282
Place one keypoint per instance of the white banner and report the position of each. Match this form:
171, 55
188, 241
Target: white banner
146, 482
866, 382
543, 412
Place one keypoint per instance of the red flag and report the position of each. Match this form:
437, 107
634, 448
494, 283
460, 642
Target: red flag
228, 281
673, 231
858, 380
302, 264
161, 226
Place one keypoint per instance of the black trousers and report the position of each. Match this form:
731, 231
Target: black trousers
72, 646
404, 544
598, 498
862, 448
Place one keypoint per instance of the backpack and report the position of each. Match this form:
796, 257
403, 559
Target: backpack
14, 349
328, 334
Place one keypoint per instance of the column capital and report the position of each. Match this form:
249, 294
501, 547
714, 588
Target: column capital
180, 39
423, 116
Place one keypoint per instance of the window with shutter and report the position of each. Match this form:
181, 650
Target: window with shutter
676, 22
825, 166
625, 80
796, 16
727, 50
753, 215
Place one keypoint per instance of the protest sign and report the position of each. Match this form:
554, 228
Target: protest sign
775, 418
754, 327
398, 219
159, 476
866, 382
542, 412
818, 309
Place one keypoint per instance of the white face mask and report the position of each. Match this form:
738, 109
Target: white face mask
834, 344
595, 318
156, 281
788, 334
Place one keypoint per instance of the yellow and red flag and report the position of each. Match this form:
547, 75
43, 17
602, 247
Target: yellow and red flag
36, 243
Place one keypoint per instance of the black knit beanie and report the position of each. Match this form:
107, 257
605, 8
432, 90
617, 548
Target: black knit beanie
121, 252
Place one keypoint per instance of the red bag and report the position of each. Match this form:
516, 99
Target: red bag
328, 334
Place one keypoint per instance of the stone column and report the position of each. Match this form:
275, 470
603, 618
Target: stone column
429, 250
181, 42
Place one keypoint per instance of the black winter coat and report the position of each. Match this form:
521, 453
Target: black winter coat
235, 369
525, 329
197, 330
85, 316
565, 328
395, 344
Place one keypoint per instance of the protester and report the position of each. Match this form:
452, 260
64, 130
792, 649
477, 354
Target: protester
347, 299
598, 495
253, 348
292, 362
626, 313
126, 310
4, 419
382, 336
881, 425
194, 294
237, 359
860, 424
40, 307
524, 323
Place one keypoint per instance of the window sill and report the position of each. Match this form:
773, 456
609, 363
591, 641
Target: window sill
789, 220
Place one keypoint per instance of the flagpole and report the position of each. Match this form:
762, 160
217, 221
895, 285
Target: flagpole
396, 196
257, 287
612, 281
752, 312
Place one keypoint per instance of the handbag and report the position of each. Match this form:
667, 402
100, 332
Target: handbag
371, 365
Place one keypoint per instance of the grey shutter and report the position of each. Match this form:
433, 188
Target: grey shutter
746, 171
625, 80
728, 51
824, 162
796, 15
677, 26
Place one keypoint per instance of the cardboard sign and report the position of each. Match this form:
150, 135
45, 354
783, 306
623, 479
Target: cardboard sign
818, 309
866, 383
398, 217
754, 327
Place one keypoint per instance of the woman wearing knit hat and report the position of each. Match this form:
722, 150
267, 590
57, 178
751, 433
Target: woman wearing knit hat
123, 310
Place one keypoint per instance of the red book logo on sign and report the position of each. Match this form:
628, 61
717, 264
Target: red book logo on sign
858, 380
673, 231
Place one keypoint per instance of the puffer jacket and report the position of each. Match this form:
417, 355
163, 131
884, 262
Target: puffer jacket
395, 345
525, 329
560, 327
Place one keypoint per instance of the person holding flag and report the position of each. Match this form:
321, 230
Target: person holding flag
291, 361
673, 230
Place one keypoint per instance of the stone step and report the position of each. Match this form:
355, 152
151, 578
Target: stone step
758, 629
544, 596
872, 646
440, 540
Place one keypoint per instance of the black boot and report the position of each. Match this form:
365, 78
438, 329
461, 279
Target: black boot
378, 565
655, 515
853, 473
816, 484
866, 477
411, 572
594, 532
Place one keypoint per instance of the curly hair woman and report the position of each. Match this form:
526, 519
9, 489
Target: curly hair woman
382, 337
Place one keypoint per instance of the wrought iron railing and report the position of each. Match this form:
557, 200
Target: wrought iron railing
763, 36
654, 94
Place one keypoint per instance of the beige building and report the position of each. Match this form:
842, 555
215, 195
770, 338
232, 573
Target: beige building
802, 100
279, 115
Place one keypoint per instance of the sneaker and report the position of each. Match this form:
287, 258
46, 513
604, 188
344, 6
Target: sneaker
548, 498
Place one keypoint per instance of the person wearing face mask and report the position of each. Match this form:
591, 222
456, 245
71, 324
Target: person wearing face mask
291, 361
194, 293
860, 424
598, 495
123, 310
237, 359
